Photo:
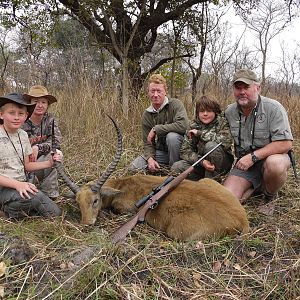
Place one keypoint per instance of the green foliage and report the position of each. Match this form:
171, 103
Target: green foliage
69, 33
180, 77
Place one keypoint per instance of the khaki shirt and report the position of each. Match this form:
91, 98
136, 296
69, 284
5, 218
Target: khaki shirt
11, 164
271, 124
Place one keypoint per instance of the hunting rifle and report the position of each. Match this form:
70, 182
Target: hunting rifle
122, 232
143, 200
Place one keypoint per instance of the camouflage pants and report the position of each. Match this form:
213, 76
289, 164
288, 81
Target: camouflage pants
16, 207
221, 159
47, 179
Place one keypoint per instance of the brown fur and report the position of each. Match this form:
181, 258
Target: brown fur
194, 210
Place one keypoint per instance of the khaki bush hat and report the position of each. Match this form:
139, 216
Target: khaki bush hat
38, 91
19, 99
246, 76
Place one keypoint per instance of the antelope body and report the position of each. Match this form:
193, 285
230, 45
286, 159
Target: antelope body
193, 210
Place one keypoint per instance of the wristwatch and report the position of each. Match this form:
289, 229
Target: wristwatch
254, 157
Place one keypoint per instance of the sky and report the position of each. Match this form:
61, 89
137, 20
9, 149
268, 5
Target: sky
290, 36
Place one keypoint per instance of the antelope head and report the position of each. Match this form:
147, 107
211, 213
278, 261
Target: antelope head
90, 196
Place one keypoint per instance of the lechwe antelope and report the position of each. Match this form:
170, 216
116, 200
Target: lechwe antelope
193, 210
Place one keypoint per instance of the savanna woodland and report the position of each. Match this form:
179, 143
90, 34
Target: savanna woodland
95, 56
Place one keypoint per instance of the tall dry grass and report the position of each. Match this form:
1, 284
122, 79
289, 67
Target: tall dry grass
89, 136
61, 259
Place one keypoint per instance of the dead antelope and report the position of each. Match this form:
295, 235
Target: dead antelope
193, 210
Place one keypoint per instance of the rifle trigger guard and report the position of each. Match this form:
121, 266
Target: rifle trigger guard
154, 205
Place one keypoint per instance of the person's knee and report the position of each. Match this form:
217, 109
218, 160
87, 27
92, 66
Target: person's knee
179, 166
138, 164
173, 139
276, 165
210, 145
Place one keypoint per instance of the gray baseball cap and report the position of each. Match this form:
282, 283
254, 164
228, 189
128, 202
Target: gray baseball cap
246, 76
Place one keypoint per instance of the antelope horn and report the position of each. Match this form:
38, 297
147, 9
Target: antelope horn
60, 170
111, 167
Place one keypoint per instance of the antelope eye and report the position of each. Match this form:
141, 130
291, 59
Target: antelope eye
95, 203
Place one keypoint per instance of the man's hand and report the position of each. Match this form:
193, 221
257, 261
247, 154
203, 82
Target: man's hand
33, 156
153, 165
24, 188
151, 136
208, 165
244, 163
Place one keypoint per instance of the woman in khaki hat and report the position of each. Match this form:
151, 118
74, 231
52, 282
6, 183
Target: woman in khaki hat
40, 127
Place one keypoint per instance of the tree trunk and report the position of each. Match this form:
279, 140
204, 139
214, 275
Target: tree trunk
125, 87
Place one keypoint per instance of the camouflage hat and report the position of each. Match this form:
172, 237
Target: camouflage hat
38, 91
246, 76
18, 99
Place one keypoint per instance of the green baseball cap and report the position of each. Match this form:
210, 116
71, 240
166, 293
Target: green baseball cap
246, 76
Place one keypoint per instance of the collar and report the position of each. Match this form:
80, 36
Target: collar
153, 110
46, 115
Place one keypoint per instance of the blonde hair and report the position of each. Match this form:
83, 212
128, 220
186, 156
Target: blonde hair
158, 79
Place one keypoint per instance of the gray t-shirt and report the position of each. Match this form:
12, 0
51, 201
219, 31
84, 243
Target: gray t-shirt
11, 161
271, 124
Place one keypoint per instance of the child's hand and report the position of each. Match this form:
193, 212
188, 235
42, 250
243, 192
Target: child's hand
194, 132
208, 165
57, 156
33, 156
26, 187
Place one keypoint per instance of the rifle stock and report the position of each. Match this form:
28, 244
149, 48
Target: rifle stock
122, 232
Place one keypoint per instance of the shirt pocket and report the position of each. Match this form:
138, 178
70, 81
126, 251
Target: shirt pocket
261, 138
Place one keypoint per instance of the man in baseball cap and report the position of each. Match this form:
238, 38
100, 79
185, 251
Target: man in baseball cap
262, 139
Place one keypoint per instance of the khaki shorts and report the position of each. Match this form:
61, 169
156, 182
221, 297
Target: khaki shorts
253, 174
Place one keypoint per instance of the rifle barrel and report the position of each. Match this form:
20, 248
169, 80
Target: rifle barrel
206, 154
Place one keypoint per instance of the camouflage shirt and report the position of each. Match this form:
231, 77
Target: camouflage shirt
218, 131
41, 135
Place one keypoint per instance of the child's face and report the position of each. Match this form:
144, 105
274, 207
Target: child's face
206, 116
13, 116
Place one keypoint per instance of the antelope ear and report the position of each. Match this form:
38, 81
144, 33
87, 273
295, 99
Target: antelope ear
108, 192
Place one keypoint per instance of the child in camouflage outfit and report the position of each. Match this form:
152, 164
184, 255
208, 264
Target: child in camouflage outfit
39, 128
209, 128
